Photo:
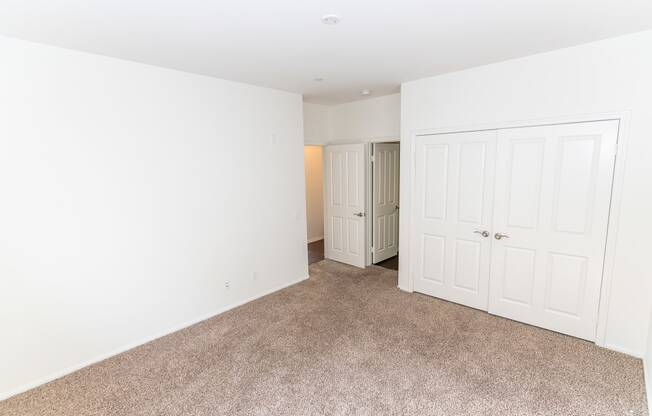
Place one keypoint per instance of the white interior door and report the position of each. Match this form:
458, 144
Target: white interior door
345, 232
453, 203
553, 188
385, 201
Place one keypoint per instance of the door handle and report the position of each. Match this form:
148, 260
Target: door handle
396, 207
483, 233
359, 214
499, 236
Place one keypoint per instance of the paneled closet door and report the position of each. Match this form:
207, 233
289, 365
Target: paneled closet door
552, 197
453, 203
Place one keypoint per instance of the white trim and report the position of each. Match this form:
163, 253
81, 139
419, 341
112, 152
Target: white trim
614, 213
312, 240
369, 195
612, 231
334, 142
622, 350
546, 121
387, 139
58, 374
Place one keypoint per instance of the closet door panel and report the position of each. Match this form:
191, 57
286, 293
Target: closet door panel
552, 195
453, 204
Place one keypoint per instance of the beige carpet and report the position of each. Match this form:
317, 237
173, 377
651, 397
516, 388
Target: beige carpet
347, 342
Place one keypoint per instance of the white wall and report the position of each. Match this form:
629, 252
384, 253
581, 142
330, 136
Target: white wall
607, 76
373, 118
314, 169
354, 122
130, 194
316, 123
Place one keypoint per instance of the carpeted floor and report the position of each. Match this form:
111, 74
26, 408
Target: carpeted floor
348, 342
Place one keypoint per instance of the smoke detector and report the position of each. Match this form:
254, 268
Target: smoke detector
330, 19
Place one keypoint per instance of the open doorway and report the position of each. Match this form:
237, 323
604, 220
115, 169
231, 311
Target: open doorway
314, 173
361, 209
385, 197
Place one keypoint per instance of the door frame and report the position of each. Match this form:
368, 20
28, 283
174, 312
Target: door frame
370, 191
369, 151
408, 147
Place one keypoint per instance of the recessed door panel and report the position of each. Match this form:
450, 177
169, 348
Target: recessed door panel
467, 265
392, 231
353, 235
434, 254
517, 276
565, 284
381, 233
391, 162
576, 179
354, 181
336, 178
471, 174
435, 184
337, 234
524, 192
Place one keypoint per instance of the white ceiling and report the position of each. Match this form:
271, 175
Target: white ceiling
282, 43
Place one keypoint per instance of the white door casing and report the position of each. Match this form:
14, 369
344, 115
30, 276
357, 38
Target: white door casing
452, 207
552, 198
345, 212
385, 200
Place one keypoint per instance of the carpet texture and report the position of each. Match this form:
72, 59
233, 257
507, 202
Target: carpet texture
348, 342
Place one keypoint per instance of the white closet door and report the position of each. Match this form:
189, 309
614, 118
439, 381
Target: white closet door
453, 204
553, 188
385, 201
344, 233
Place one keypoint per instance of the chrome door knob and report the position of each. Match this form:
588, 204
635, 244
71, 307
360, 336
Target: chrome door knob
499, 236
359, 214
483, 233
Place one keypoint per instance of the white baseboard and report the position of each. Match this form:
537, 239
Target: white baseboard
58, 374
617, 348
312, 240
